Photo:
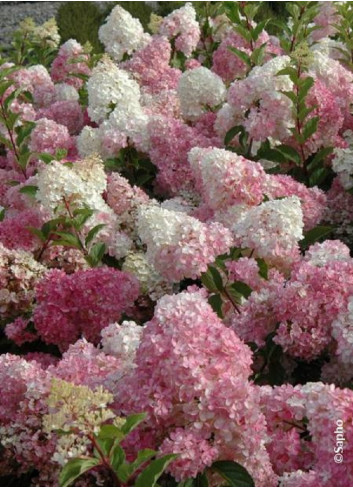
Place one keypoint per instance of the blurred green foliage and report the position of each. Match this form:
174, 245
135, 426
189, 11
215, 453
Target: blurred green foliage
80, 21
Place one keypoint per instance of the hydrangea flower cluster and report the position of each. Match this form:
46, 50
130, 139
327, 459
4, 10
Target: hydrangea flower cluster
178, 245
188, 379
82, 303
175, 239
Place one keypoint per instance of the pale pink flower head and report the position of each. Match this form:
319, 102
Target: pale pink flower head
194, 453
309, 304
48, 136
182, 25
225, 179
150, 66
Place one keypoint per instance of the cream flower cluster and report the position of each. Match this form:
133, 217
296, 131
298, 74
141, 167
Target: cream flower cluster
122, 34
199, 89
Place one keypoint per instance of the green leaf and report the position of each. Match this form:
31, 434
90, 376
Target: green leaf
4, 86
258, 29
23, 132
242, 288
117, 457
36, 232
281, 25
291, 72
208, 281
232, 133
150, 476
68, 239
92, 233
5, 142
304, 87
235, 474
241, 55
312, 236
305, 111
96, 254
74, 468
7, 102
46, 157
291, 95
216, 277
80, 217
310, 127
187, 483
243, 32
216, 303
49, 226
24, 158
290, 153
258, 54
201, 480
318, 176
105, 445
131, 422
232, 11
263, 268
126, 470
2, 214
29, 190
60, 154
109, 431
319, 157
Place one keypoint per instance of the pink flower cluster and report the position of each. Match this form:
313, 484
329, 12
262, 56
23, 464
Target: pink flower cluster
152, 190
83, 303
192, 373
313, 419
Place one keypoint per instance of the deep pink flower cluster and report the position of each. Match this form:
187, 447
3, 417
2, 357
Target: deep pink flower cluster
70, 61
83, 303
15, 233
229, 66
171, 140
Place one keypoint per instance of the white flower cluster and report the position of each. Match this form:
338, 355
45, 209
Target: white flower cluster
64, 91
342, 331
89, 142
329, 251
272, 229
158, 227
48, 33
108, 87
114, 101
199, 89
122, 341
84, 183
78, 411
151, 282
264, 78
342, 163
122, 34
19, 273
